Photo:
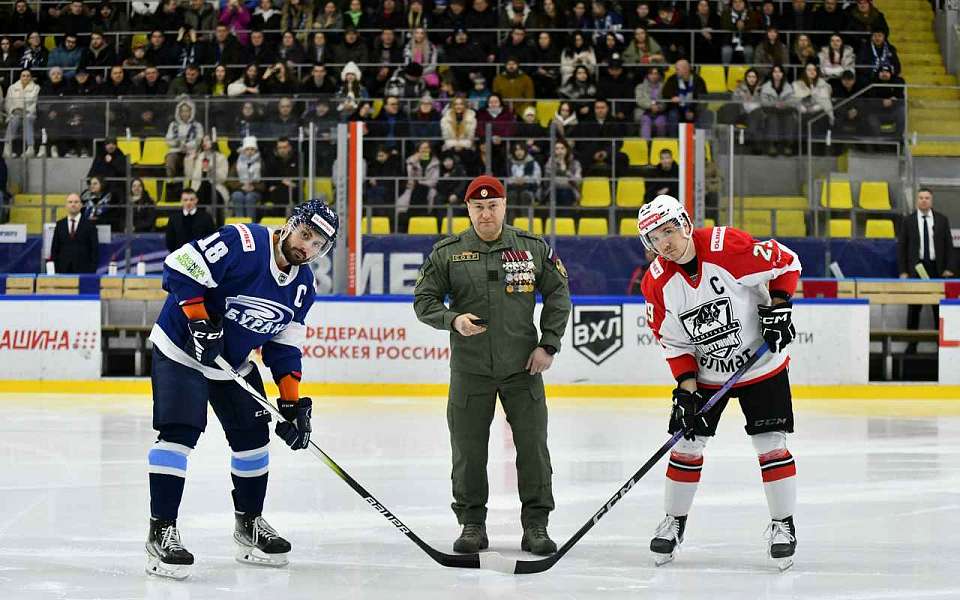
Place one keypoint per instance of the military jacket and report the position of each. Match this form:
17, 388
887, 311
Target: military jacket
497, 282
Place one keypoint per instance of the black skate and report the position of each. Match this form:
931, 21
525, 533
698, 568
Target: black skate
259, 543
537, 541
667, 539
166, 556
472, 539
782, 537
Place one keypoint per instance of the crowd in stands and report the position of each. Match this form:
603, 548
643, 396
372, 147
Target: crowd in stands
447, 79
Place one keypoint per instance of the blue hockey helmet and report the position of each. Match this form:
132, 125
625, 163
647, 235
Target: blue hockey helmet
321, 219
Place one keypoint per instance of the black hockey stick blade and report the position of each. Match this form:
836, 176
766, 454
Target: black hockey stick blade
521, 567
488, 560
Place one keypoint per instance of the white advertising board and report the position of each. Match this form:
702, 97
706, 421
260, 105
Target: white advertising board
950, 341
49, 338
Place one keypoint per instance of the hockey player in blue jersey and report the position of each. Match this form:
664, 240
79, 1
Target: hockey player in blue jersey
244, 287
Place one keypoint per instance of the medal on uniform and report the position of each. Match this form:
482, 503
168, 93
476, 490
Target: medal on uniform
520, 269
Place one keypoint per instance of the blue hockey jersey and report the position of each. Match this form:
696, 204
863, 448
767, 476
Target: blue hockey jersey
235, 272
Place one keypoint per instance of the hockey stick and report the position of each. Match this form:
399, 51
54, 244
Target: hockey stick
487, 560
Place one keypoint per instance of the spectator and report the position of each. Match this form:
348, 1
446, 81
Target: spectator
546, 75
452, 184
247, 122
319, 82
152, 84
483, 17
351, 91
199, 16
407, 82
189, 223
283, 170
423, 173
780, 111
924, 251
110, 166
464, 50
144, 207
99, 57
548, 17
516, 14
422, 51
100, 206
515, 85
579, 52
235, 16
388, 16
579, 19
9, 62
387, 51
81, 125
34, 55
739, 20
206, 169
803, 50
563, 173
380, 185
643, 49
829, 17
769, 16
75, 247
51, 111
297, 15
458, 126
108, 18
355, 17
669, 18
798, 16
502, 125
641, 16
114, 86
261, 49
391, 123
182, 131
565, 119
425, 121
290, 51
580, 90
850, 120
877, 53
605, 21
599, 140
328, 19
22, 21
616, 84
265, 18
479, 94
189, 84
864, 16
523, 182
885, 117
664, 177
278, 80
218, 88
136, 64
247, 85
813, 95
352, 48
651, 111
168, 16
515, 45
751, 115
226, 48
21, 109
190, 49
609, 45
535, 136
159, 54
66, 56
684, 89
706, 42
245, 199
771, 51
836, 58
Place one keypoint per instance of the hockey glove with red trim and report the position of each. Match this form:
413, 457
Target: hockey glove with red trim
776, 325
205, 340
295, 430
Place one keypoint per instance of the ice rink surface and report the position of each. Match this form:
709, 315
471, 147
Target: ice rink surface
878, 516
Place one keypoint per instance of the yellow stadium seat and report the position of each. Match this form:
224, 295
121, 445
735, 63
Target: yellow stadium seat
839, 194
50, 42
223, 144
630, 192
660, 144
841, 228
874, 195
376, 225
709, 223
596, 192
273, 221
791, 223
563, 226
880, 228
525, 224
735, 74
39, 199
130, 147
152, 186
628, 227
423, 226
545, 111
161, 222
671, 70
592, 226
31, 216
324, 185
238, 220
758, 225
637, 150
154, 151
377, 105
715, 77
139, 37
455, 225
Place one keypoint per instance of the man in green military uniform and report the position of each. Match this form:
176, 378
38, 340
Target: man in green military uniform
491, 272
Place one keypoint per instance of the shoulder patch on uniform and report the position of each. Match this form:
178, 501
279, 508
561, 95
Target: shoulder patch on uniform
716, 239
246, 237
656, 269
447, 241
464, 256
525, 233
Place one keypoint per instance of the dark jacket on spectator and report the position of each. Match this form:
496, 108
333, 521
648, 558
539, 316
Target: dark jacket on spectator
909, 241
186, 228
77, 254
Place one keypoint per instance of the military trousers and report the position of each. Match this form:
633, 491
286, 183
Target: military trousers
470, 410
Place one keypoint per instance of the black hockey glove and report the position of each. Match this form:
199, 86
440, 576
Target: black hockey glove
295, 431
776, 325
205, 340
686, 404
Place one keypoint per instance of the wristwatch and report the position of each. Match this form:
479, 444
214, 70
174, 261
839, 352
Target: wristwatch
551, 350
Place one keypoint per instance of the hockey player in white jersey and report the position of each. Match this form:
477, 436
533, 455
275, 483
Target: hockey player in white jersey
714, 295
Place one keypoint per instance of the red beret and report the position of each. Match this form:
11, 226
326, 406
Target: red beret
485, 187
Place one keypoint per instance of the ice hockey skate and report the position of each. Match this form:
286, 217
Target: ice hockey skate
667, 539
258, 543
782, 538
166, 556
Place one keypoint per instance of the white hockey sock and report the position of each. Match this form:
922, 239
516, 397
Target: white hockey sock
779, 472
683, 476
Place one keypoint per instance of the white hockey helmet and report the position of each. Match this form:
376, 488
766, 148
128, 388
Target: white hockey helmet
663, 209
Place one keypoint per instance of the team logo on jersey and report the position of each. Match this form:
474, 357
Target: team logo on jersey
711, 326
597, 331
259, 315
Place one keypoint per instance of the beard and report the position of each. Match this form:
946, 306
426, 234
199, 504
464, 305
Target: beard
291, 254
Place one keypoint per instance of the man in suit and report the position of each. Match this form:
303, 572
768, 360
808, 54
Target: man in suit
189, 223
924, 239
75, 246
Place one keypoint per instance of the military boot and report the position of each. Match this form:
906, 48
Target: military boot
536, 540
473, 538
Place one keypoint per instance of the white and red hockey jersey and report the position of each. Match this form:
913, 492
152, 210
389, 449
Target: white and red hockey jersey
708, 324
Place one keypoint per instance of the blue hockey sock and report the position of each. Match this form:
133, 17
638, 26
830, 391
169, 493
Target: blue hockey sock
168, 470
249, 470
